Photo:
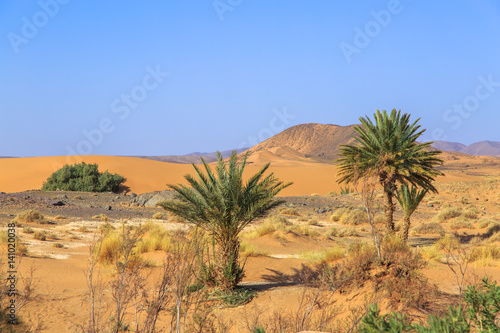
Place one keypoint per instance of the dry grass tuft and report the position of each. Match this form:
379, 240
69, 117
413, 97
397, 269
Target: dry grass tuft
448, 213
30, 216
249, 250
288, 211
429, 228
349, 216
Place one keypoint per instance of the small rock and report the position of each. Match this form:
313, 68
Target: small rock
107, 207
64, 196
485, 199
477, 198
430, 205
57, 203
133, 195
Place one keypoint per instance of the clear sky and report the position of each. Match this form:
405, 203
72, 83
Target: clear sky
174, 77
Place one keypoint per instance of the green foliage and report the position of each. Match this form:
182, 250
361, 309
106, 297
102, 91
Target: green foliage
373, 322
388, 149
223, 204
83, 177
346, 190
482, 307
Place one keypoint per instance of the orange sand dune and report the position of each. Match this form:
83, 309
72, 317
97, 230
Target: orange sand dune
20, 174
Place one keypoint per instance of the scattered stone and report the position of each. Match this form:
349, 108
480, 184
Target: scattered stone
485, 199
133, 195
57, 203
107, 207
430, 205
63, 196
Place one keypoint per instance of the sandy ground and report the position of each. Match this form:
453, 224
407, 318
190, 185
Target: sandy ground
59, 273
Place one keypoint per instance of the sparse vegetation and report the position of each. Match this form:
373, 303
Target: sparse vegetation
40, 235
389, 150
158, 216
102, 217
30, 216
223, 205
429, 228
83, 177
288, 211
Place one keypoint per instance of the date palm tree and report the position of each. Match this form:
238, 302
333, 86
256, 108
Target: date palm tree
222, 204
409, 199
389, 150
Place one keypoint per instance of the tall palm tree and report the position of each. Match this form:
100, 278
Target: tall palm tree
389, 150
408, 199
222, 204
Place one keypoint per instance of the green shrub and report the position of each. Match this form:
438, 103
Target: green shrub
480, 314
83, 177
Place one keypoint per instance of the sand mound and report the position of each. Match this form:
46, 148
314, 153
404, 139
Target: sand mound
317, 141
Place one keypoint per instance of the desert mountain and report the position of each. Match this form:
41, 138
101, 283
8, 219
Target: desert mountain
192, 157
313, 142
483, 148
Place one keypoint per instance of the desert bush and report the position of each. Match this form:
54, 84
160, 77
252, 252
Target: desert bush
40, 235
431, 253
176, 219
158, 216
155, 238
288, 211
28, 230
83, 177
313, 221
102, 217
29, 216
301, 230
327, 255
269, 226
480, 314
448, 213
461, 223
485, 256
471, 213
249, 250
21, 248
349, 216
429, 228
104, 229
302, 219
487, 222
403, 281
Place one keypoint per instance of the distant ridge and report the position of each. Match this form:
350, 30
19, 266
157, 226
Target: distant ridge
320, 142
192, 157
483, 148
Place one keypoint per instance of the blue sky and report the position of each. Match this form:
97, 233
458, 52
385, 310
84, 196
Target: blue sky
173, 77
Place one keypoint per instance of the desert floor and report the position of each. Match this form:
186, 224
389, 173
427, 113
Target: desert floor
275, 260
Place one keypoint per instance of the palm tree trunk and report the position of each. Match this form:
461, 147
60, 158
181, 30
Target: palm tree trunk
229, 273
389, 210
405, 229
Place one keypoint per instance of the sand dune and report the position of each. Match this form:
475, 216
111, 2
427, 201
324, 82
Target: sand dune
20, 174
